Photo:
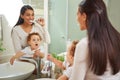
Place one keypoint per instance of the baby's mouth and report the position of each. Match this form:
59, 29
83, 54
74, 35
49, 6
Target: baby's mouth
36, 44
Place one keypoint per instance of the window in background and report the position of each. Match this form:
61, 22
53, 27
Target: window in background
38, 6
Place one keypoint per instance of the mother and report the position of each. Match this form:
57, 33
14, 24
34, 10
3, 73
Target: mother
26, 25
97, 56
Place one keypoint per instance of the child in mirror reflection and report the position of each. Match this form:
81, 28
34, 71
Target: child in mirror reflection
33, 50
67, 64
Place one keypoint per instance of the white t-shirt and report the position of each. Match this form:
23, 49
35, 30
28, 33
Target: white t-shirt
29, 53
19, 36
68, 69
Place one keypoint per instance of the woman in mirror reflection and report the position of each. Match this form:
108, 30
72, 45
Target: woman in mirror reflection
97, 56
34, 49
25, 25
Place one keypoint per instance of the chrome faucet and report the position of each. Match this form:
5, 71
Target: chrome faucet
37, 63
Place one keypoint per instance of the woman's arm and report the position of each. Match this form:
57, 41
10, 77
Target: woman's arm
63, 77
46, 35
16, 40
43, 31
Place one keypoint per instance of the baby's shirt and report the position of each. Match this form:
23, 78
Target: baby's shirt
68, 69
29, 53
66, 64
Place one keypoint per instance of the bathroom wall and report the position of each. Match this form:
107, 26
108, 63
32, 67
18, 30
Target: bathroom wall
57, 25
6, 36
114, 13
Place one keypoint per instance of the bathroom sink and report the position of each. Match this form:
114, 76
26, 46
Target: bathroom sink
18, 71
45, 79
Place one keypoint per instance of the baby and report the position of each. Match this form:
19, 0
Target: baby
34, 49
67, 64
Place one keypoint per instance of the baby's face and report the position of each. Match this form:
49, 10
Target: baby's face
34, 41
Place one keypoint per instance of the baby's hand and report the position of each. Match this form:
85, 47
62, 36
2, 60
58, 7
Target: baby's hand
12, 60
49, 57
38, 54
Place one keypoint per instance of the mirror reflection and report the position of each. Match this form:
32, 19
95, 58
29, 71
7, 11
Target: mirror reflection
61, 20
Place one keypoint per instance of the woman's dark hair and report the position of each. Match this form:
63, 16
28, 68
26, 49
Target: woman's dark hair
22, 11
104, 40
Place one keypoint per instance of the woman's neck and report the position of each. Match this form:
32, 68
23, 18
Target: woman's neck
25, 25
27, 28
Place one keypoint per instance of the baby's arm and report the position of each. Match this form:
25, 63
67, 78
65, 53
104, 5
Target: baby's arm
16, 56
66, 74
56, 62
63, 77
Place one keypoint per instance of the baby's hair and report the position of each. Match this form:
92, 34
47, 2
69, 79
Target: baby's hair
73, 47
31, 34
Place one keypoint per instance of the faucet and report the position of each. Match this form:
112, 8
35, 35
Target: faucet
37, 63
38, 68
47, 69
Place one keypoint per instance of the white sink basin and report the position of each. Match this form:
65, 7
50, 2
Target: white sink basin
17, 71
45, 79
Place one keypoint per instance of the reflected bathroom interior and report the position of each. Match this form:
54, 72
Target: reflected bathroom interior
60, 21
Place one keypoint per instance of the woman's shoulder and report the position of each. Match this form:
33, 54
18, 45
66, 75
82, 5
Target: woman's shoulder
82, 50
83, 41
16, 27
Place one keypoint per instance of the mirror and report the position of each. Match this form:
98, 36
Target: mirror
38, 6
62, 23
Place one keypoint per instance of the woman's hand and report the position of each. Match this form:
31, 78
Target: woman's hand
41, 22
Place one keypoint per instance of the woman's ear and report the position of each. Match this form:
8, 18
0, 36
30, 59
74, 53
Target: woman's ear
21, 16
84, 19
84, 16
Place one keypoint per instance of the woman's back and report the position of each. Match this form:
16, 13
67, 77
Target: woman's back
81, 69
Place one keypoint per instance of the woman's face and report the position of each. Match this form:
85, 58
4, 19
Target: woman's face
28, 16
81, 19
34, 41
